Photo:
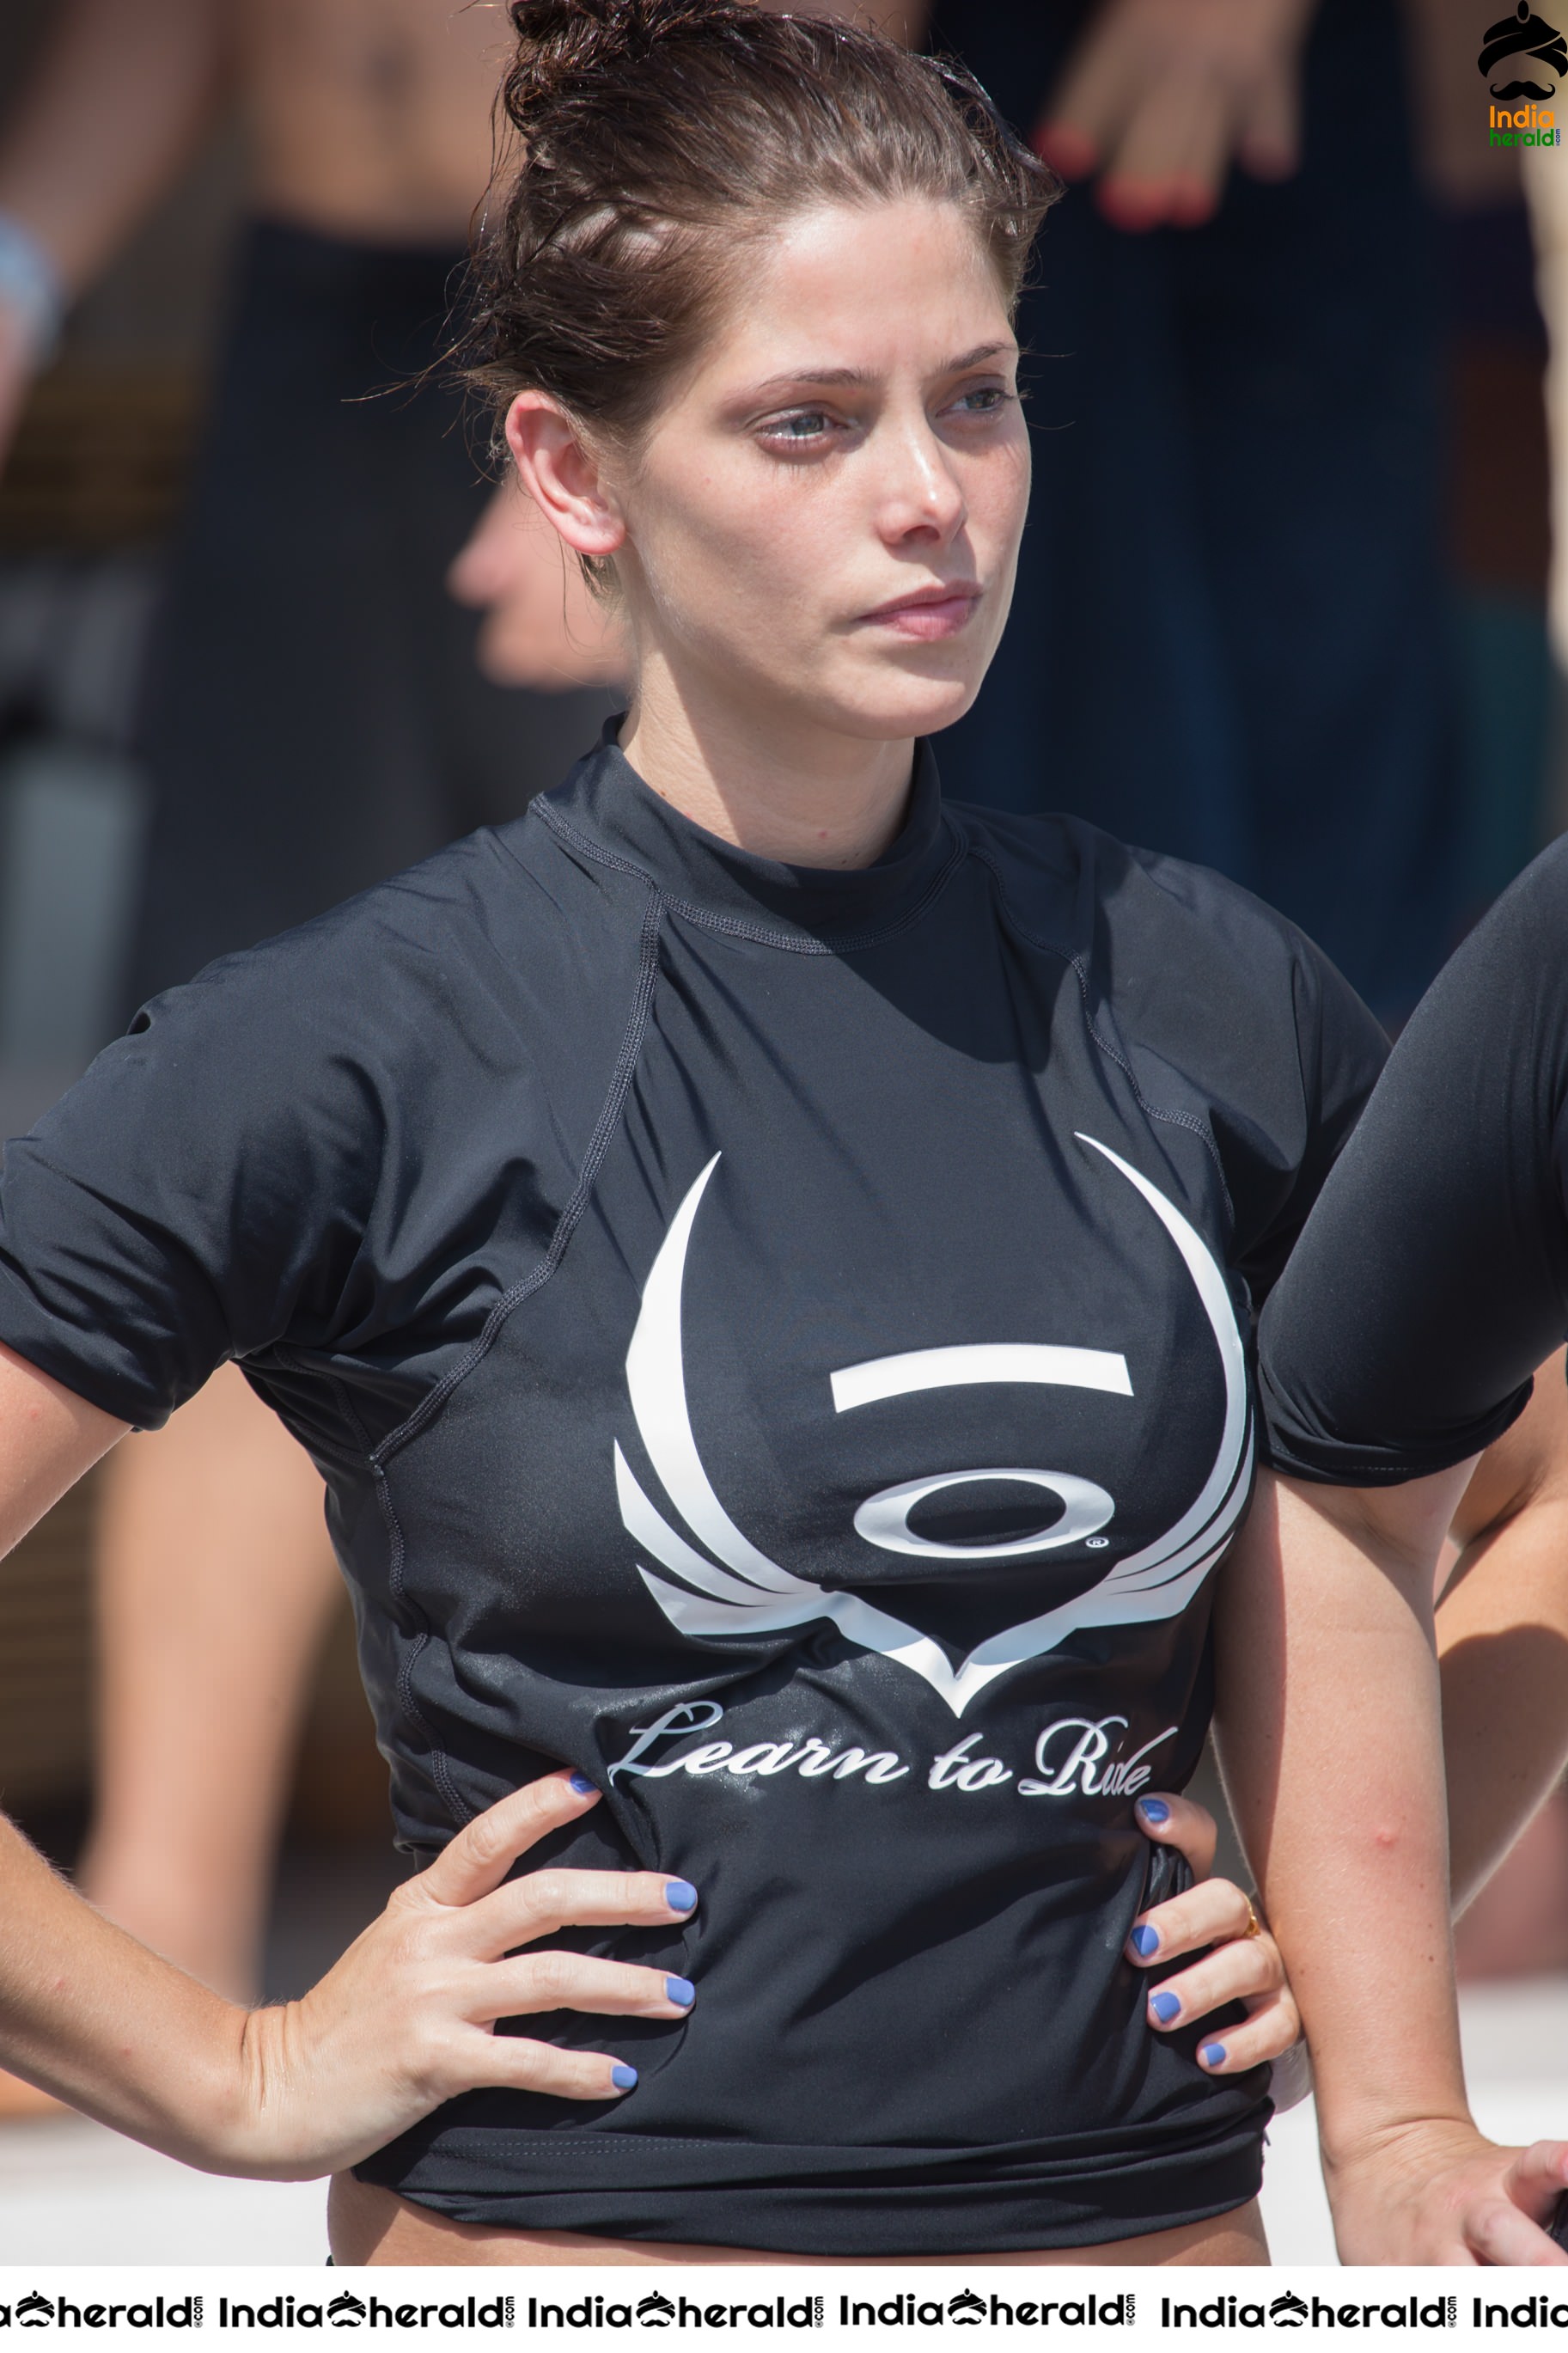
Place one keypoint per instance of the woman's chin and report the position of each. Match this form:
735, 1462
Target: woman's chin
910, 706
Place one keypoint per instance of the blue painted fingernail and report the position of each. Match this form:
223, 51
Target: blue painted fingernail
1165, 2005
623, 2078
680, 1895
680, 1989
1144, 1941
1154, 1810
1213, 2054
584, 1787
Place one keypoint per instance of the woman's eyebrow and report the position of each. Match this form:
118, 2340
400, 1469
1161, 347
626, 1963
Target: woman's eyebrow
838, 376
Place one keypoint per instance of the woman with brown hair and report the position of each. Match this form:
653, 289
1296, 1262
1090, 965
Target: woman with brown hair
685, 1225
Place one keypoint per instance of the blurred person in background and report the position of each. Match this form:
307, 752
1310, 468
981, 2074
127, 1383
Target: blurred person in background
1231, 625
313, 720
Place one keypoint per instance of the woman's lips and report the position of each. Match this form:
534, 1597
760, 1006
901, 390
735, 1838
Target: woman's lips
929, 613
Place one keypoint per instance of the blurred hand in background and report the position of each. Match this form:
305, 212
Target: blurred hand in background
1161, 96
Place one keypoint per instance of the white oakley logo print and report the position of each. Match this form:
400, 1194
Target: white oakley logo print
747, 1593
884, 1519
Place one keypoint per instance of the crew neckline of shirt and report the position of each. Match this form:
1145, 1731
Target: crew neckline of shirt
612, 814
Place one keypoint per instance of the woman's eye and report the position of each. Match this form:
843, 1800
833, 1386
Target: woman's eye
804, 425
984, 400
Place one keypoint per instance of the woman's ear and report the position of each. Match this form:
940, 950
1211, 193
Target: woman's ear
562, 476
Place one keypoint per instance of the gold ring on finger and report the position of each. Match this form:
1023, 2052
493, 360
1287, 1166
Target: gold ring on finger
1254, 1925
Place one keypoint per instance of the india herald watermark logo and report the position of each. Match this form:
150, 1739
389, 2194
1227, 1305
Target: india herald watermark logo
1521, 115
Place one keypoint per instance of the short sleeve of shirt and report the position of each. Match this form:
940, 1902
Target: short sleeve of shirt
199, 1195
1432, 1277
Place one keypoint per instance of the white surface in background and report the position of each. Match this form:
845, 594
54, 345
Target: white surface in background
73, 2192
1295, 2209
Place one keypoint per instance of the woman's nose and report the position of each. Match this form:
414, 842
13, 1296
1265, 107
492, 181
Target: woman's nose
922, 496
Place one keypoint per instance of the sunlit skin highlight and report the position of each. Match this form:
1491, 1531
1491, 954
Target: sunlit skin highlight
816, 539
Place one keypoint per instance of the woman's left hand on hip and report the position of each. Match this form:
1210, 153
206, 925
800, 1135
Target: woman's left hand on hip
1236, 1958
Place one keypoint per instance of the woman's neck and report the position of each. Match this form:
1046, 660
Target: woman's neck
830, 800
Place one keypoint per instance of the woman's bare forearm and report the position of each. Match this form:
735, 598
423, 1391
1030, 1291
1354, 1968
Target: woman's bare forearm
1328, 1715
85, 2011
48, 1438
88, 2014
405, 2021
1328, 1719
122, 92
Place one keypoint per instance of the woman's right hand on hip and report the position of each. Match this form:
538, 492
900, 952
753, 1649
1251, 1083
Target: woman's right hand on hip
406, 2018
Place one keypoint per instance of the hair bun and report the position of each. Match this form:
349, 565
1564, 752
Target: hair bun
562, 39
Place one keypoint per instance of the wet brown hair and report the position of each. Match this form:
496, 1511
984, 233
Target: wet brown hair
657, 140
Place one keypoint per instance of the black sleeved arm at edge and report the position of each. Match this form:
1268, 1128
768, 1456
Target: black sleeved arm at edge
1432, 1276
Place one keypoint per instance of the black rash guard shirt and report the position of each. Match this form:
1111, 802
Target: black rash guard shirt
777, 1340
1433, 1277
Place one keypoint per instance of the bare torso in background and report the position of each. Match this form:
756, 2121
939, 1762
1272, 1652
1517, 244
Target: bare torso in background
370, 119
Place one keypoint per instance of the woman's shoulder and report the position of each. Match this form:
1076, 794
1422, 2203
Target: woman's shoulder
473, 889
1223, 1011
408, 969
1154, 918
